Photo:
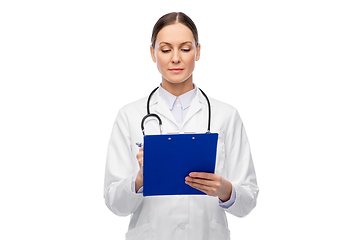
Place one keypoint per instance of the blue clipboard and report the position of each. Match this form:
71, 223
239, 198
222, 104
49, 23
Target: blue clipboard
169, 158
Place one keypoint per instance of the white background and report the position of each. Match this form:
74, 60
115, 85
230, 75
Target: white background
291, 68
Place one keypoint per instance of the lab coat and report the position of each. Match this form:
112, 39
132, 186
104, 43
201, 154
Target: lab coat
179, 217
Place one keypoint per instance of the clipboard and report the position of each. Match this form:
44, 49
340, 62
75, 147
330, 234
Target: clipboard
169, 158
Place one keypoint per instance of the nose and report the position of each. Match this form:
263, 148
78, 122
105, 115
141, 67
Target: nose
176, 57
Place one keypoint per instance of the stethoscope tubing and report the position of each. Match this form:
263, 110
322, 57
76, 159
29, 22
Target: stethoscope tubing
159, 119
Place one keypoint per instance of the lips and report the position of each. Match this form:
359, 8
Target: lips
176, 70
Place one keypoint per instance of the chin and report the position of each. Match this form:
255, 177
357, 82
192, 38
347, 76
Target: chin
177, 80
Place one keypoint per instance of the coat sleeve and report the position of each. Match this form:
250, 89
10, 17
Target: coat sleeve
240, 168
121, 164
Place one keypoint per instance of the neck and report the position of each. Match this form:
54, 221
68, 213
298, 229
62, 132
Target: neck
178, 89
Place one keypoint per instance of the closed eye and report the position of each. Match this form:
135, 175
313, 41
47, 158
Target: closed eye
186, 50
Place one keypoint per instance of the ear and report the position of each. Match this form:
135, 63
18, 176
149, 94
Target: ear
198, 52
152, 54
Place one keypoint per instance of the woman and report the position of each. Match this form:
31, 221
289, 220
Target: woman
232, 188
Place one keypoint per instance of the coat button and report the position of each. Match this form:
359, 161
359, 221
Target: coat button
182, 226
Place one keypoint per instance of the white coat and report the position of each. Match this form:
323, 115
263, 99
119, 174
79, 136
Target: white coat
179, 217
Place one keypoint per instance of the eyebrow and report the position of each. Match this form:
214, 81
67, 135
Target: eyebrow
171, 44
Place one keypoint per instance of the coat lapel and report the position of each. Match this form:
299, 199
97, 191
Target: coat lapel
161, 108
195, 107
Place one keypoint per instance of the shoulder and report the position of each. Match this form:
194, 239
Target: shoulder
132, 110
224, 112
222, 106
137, 105
215, 104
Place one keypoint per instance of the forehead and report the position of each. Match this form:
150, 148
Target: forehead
175, 33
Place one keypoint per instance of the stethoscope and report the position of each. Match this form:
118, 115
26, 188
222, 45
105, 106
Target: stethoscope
159, 119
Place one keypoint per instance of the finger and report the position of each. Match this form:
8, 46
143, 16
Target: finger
202, 181
204, 175
141, 165
205, 182
140, 154
201, 188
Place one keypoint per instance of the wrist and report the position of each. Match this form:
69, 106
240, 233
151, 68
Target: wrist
138, 181
225, 196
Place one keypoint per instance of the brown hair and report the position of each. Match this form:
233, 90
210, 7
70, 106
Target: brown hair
171, 18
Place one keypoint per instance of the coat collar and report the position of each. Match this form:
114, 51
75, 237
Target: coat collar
184, 100
158, 105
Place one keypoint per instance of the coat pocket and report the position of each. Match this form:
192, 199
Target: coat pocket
218, 232
144, 232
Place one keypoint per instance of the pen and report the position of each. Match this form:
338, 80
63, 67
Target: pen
139, 144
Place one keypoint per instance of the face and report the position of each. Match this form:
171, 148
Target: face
175, 53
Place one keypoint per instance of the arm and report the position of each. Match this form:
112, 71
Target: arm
120, 167
240, 173
240, 168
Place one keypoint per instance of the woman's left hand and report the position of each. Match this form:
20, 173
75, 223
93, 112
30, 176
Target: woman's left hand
211, 184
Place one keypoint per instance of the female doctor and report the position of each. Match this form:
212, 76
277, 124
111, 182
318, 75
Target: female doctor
182, 108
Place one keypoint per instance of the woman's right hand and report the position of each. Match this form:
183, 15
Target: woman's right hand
139, 177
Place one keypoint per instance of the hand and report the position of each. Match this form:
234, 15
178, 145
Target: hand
139, 178
211, 184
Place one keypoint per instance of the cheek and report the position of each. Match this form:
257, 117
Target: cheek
161, 62
158, 63
190, 60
